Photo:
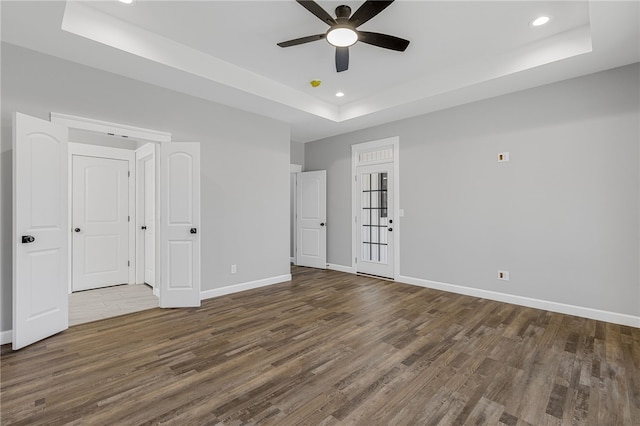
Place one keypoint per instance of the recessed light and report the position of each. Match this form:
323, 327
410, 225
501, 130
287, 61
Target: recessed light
126, 1
339, 94
539, 21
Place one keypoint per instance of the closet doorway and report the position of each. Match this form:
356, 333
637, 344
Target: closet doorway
113, 225
42, 221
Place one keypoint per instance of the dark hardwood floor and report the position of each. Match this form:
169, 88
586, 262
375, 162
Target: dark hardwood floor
330, 348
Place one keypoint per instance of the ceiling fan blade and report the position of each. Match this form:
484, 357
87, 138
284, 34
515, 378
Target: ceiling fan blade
315, 8
383, 40
301, 40
368, 10
342, 59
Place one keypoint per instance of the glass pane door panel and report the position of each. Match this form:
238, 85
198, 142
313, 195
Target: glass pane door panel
373, 214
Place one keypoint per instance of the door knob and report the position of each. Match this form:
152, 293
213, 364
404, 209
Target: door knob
143, 228
193, 230
26, 239
322, 224
77, 230
389, 229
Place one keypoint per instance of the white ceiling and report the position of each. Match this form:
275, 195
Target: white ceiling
226, 51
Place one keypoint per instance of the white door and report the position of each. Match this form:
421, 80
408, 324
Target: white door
312, 219
149, 222
40, 239
375, 220
100, 222
180, 224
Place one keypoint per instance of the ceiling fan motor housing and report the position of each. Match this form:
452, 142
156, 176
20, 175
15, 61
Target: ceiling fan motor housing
342, 14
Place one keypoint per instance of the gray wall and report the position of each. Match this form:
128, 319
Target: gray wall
245, 168
562, 216
297, 153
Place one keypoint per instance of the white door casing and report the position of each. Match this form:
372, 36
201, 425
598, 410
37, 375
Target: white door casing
40, 210
180, 224
369, 160
100, 222
311, 221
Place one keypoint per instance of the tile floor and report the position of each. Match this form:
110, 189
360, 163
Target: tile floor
107, 302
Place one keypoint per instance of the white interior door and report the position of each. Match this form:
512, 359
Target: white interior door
40, 247
312, 219
100, 221
149, 222
180, 224
375, 220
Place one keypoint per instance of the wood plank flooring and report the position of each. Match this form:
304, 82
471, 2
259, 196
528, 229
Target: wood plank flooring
329, 348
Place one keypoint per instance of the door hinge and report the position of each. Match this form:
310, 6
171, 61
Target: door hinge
355, 178
128, 263
356, 259
128, 174
128, 218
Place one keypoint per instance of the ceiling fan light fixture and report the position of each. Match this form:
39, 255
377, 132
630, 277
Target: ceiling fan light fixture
342, 36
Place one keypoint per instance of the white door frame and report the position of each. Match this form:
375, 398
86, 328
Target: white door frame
115, 154
124, 131
293, 169
357, 160
161, 138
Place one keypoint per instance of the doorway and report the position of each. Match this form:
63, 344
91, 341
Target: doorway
112, 206
42, 229
375, 198
311, 219
293, 169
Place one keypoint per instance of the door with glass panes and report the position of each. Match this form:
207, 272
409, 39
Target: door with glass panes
375, 220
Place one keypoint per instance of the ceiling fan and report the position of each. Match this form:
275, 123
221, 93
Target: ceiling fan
342, 31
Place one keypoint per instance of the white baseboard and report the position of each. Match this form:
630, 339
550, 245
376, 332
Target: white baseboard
340, 268
596, 314
292, 260
208, 294
156, 292
6, 337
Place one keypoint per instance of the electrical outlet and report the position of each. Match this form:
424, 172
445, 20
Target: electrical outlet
503, 275
503, 157
234, 269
